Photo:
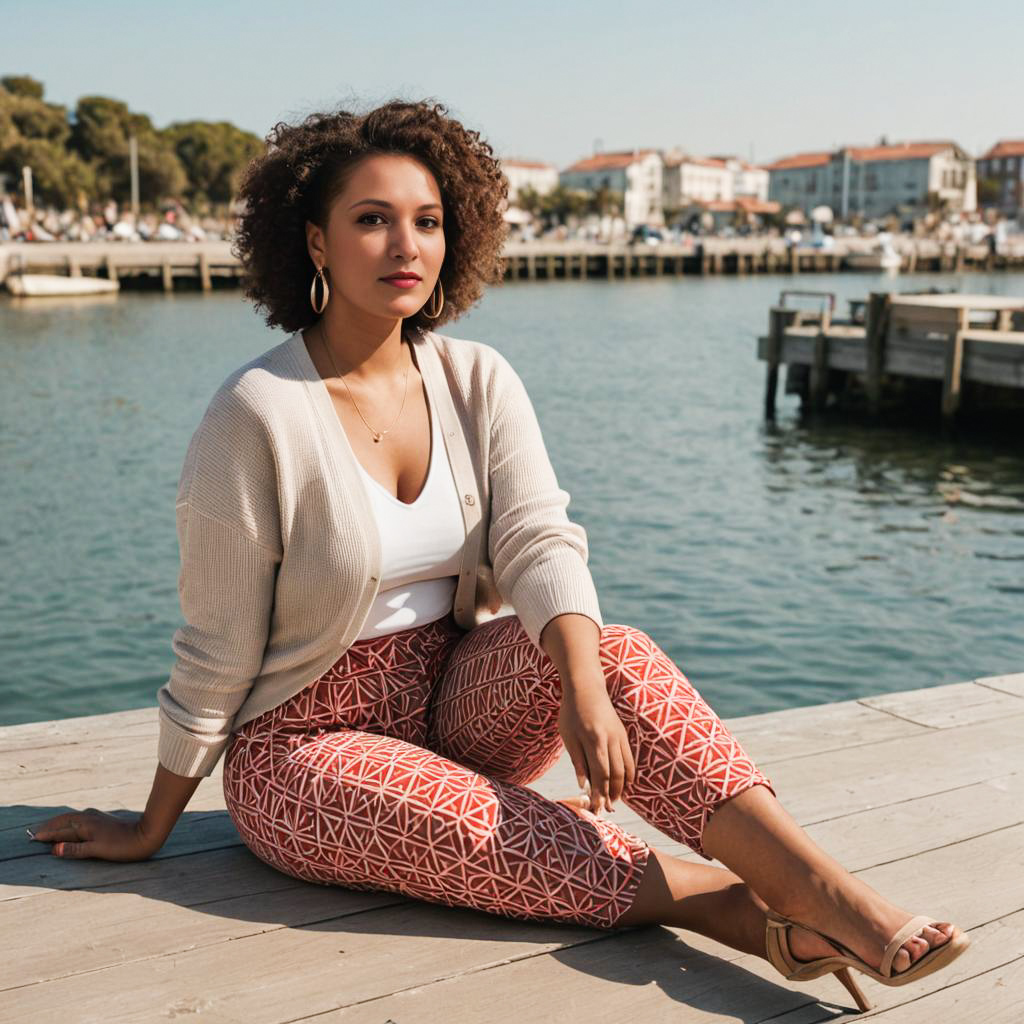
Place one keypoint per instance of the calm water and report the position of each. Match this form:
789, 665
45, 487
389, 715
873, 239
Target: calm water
778, 566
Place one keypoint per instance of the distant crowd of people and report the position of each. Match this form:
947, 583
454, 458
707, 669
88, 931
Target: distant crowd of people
173, 223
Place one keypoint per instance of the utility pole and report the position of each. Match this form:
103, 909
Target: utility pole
26, 178
133, 151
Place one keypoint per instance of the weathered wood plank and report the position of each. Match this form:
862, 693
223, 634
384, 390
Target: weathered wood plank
82, 729
1008, 684
669, 976
956, 704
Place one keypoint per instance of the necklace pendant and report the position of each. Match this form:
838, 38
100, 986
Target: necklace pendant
377, 436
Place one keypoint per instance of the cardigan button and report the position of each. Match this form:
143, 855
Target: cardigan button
470, 499
451, 433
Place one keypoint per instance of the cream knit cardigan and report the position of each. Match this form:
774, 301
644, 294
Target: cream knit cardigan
280, 553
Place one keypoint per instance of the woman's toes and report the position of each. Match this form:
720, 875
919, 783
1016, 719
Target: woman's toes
901, 961
917, 945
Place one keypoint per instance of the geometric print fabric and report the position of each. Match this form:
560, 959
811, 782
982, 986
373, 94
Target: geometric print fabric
405, 768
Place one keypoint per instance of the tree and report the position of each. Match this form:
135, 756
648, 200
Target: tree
23, 85
100, 135
605, 200
34, 133
529, 199
213, 155
562, 202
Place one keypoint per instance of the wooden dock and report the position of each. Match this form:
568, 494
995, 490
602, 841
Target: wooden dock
960, 341
206, 265
920, 793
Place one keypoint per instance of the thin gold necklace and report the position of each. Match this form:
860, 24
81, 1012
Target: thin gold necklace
377, 434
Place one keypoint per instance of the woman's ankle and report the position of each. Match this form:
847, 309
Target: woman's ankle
813, 898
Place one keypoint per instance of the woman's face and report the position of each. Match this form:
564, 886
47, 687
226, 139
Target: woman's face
388, 218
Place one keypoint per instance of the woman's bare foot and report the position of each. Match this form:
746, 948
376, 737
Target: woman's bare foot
865, 922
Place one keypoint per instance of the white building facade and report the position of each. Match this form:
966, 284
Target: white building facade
541, 177
690, 178
636, 173
747, 179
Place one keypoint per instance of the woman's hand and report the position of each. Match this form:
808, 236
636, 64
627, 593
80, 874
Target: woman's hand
597, 742
93, 833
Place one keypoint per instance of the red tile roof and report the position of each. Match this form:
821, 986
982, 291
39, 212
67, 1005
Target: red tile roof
1005, 147
610, 161
818, 159
900, 151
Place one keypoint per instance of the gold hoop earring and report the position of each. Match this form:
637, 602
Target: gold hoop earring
438, 303
312, 291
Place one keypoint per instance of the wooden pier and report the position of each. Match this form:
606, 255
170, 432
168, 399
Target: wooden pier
206, 265
920, 793
960, 341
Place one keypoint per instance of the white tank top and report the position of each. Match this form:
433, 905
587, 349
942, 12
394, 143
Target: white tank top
421, 547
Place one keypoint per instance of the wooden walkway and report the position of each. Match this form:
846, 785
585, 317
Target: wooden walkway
186, 264
921, 793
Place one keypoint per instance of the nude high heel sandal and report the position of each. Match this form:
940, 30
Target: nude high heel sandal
780, 957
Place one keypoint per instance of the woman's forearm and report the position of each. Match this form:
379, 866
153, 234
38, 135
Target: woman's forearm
167, 799
572, 641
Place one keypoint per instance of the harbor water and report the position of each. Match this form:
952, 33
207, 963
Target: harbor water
778, 564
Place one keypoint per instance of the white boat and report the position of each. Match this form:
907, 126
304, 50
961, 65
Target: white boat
58, 284
884, 256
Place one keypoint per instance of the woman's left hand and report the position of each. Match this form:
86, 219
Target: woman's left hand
597, 743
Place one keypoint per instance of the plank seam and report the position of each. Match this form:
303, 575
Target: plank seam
995, 689
902, 718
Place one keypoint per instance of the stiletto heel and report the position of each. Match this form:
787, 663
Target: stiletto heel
851, 986
780, 955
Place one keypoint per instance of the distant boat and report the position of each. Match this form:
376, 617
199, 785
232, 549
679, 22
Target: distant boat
885, 256
58, 284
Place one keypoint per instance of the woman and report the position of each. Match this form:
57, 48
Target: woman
354, 509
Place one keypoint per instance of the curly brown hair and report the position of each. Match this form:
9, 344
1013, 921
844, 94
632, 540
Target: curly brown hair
307, 165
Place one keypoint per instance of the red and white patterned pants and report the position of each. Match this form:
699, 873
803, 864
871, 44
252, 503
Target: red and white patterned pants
404, 767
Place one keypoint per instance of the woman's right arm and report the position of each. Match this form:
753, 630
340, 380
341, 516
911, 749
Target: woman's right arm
229, 537
94, 833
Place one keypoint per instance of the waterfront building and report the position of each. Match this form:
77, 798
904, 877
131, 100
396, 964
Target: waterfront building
1001, 177
636, 173
541, 177
908, 178
747, 179
688, 178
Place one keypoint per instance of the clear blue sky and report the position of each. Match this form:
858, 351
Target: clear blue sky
546, 80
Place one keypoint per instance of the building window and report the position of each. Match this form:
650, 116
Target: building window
997, 165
